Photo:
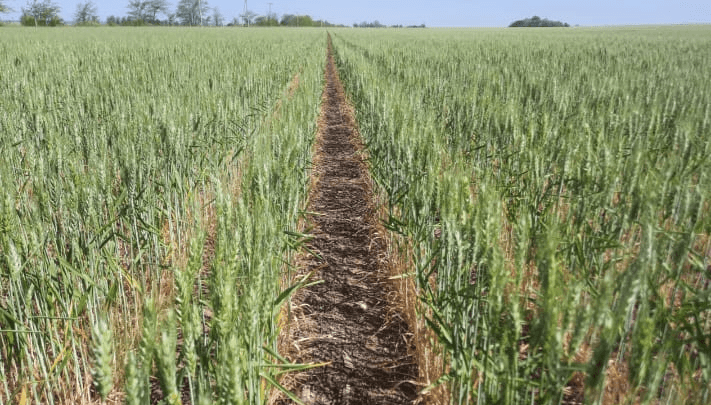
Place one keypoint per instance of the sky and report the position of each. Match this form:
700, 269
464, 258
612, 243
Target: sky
441, 13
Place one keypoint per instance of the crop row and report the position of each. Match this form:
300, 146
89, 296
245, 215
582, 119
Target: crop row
146, 181
555, 188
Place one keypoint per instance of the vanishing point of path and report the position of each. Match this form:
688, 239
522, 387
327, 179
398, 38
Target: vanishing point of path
347, 320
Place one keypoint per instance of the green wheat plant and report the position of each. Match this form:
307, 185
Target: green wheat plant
143, 173
555, 188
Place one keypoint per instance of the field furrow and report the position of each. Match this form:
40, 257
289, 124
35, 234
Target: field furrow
347, 321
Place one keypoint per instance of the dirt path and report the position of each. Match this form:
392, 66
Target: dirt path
348, 319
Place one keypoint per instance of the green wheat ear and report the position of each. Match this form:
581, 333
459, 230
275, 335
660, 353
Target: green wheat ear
102, 350
134, 383
165, 360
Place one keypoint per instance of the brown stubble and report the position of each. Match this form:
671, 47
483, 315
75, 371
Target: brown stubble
330, 322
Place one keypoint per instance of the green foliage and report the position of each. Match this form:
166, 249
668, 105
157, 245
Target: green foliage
31, 21
4, 8
266, 21
88, 24
374, 24
537, 21
295, 20
41, 14
555, 187
192, 12
85, 14
111, 147
146, 11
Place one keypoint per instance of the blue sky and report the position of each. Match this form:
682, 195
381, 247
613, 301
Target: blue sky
444, 13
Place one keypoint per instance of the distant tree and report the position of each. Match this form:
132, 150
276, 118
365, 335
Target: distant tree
138, 10
86, 13
4, 7
192, 12
304, 21
126, 21
537, 21
217, 17
266, 21
43, 13
147, 10
157, 6
248, 17
365, 24
292, 20
287, 19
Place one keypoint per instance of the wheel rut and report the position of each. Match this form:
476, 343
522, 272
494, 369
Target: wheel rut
348, 321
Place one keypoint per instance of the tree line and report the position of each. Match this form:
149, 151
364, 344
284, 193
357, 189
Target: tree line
156, 12
537, 21
160, 12
377, 24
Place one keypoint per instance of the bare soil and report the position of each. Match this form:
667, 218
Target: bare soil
349, 320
